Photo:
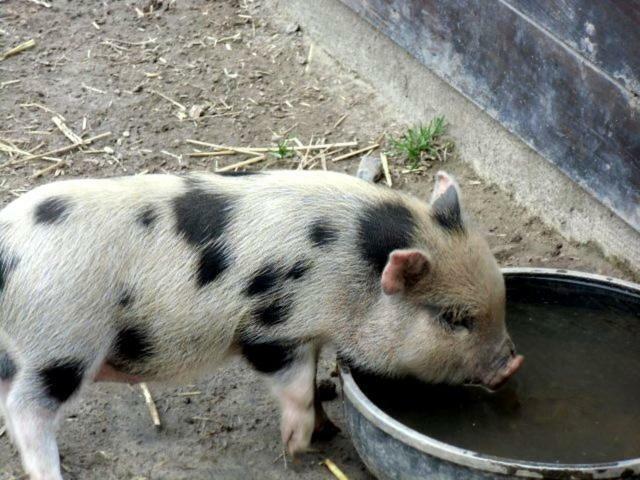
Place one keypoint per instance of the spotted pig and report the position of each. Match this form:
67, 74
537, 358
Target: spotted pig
151, 278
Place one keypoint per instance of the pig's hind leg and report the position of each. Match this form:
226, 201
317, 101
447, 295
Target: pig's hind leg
38, 393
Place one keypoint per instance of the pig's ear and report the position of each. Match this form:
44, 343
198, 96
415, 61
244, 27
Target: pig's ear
403, 270
445, 203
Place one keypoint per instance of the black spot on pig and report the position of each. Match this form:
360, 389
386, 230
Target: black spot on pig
268, 357
7, 367
62, 378
446, 211
131, 345
52, 210
299, 269
213, 261
322, 233
264, 280
275, 312
239, 174
270, 277
202, 218
383, 228
147, 217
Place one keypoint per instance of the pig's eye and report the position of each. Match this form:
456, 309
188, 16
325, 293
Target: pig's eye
447, 317
455, 320
466, 321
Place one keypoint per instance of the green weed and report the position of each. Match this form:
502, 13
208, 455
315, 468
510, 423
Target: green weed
420, 141
283, 149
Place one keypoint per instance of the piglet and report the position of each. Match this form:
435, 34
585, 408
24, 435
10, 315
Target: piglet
150, 278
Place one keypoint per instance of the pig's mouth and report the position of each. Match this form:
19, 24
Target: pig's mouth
498, 376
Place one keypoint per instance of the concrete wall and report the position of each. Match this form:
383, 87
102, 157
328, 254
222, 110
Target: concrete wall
497, 155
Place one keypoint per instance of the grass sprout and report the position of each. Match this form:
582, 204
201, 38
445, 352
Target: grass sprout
422, 142
283, 151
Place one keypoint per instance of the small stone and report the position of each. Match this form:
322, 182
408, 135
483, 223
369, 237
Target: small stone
196, 111
102, 457
291, 28
126, 133
516, 238
369, 169
502, 252
557, 250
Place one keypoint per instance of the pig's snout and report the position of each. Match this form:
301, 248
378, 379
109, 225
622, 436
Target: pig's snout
508, 368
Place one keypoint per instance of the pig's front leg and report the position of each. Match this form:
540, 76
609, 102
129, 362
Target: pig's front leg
294, 388
291, 369
293, 385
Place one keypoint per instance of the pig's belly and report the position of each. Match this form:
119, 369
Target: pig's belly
175, 354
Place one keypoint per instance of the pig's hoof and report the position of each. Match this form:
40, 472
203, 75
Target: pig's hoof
325, 431
297, 428
298, 442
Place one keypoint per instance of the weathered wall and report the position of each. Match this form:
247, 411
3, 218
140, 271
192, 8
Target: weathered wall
516, 60
417, 94
605, 32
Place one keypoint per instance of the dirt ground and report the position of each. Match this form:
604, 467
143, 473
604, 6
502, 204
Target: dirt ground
245, 76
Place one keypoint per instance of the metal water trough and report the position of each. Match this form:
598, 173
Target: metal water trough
391, 450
